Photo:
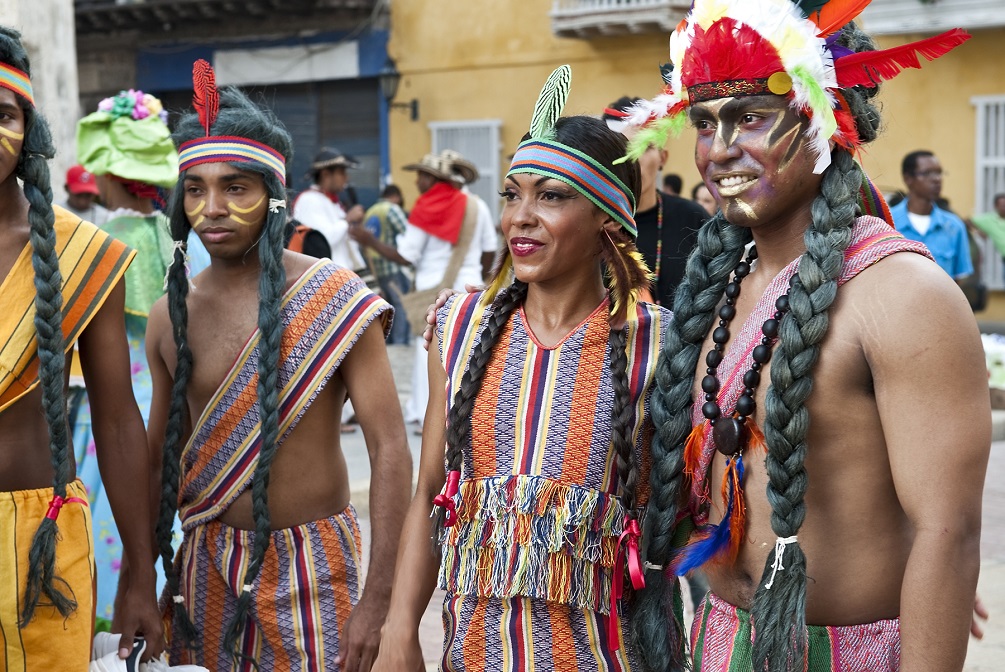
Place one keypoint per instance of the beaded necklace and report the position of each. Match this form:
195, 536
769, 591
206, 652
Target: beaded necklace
731, 434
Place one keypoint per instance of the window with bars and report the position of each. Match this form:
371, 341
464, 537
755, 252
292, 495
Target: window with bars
990, 176
478, 142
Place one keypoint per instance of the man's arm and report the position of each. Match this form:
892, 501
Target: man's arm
365, 238
928, 367
120, 443
366, 372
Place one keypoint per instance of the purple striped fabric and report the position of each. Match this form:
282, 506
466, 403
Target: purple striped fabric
323, 315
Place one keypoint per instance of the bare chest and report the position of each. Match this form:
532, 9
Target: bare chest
219, 330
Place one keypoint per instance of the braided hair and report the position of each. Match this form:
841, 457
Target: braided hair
238, 117
33, 170
779, 613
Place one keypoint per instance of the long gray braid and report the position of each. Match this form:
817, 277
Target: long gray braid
720, 248
780, 612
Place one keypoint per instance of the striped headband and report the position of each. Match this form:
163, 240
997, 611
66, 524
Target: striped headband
581, 172
17, 81
229, 149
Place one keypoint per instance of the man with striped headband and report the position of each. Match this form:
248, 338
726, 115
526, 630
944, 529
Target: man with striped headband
252, 361
62, 283
846, 534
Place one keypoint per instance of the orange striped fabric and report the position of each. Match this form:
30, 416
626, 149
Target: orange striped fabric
309, 583
91, 263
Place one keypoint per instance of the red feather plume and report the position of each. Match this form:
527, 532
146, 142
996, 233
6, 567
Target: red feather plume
869, 68
833, 16
205, 98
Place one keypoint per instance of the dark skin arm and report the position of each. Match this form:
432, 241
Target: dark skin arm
416, 577
366, 372
120, 442
938, 458
364, 237
156, 325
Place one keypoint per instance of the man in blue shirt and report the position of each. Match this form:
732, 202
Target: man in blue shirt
919, 218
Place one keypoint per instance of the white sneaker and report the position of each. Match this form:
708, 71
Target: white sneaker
106, 654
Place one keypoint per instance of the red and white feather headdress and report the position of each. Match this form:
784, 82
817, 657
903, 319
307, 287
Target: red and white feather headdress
785, 47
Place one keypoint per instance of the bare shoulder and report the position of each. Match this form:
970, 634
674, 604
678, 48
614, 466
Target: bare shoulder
296, 265
906, 297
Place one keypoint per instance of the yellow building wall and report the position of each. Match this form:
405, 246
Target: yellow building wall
931, 109
487, 60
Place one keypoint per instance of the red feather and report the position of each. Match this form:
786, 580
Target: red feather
833, 16
205, 98
869, 68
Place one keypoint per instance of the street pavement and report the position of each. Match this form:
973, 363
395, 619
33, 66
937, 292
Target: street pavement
983, 656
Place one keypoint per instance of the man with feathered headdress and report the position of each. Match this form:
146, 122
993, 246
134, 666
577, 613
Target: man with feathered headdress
252, 361
791, 379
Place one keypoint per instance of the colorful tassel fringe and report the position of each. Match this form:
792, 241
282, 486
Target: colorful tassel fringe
533, 536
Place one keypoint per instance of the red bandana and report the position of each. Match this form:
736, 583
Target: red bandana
440, 212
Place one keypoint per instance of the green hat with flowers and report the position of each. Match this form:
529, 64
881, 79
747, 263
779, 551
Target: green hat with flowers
128, 137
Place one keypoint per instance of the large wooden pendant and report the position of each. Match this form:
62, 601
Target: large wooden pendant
727, 435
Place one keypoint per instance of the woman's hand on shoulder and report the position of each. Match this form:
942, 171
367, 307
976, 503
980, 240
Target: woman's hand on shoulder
441, 299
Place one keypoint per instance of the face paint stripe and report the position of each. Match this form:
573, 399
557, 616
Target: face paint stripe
747, 210
244, 211
797, 142
240, 221
11, 134
777, 131
5, 143
199, 208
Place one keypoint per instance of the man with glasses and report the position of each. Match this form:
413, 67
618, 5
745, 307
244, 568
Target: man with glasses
919, 218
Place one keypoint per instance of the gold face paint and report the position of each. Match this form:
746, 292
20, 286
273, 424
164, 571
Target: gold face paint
244, 211
195, 213
5, 142
745, 209
240, 220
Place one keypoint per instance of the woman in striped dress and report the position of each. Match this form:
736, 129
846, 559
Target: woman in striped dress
537, 432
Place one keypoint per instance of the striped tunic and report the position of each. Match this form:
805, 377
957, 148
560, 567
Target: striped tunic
310, 577
323, 314
91, 263
528, 566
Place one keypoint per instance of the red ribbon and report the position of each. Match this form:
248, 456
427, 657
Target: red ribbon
632, 533
57, 503
446, 499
